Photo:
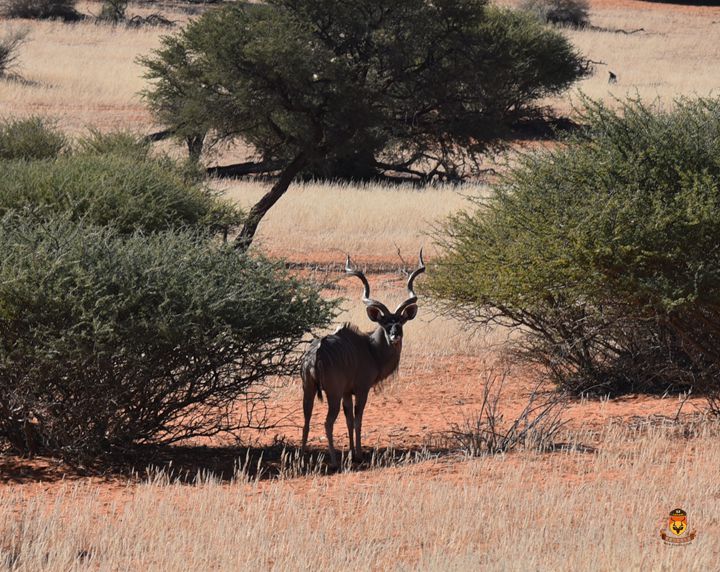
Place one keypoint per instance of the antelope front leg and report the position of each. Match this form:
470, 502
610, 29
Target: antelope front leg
348, 410
333, 410
360, 401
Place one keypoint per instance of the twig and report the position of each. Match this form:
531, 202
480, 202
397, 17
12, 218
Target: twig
682, 403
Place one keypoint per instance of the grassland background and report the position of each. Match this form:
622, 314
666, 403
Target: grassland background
521, 511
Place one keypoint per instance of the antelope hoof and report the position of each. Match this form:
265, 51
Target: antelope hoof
357, 457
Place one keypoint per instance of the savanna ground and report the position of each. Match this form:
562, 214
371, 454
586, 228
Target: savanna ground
597, 503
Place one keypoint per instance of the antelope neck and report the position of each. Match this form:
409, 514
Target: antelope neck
387, 355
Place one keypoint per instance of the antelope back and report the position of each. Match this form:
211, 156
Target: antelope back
342, 361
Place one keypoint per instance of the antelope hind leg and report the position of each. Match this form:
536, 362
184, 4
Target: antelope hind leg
308, 402
333, 410
360, 401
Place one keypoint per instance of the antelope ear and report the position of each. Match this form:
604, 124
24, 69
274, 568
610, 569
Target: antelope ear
409, 312
374, 313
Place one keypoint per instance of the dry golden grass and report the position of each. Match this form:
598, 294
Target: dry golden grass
82, 74
326, 221
567, 511
678, 53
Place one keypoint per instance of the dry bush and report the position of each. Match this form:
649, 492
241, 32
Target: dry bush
713, 404
114, 11
29, 139
109, 341
10, 45
573, 13
602, 253
109, 185
487, 432
125, 143
155, 19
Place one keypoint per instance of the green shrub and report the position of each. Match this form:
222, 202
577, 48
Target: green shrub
40, 9
573, 13
113, 189
109, 341
125, 143
31, 138
604, 252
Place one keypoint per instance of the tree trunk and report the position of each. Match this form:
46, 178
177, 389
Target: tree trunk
245, 238
195, 145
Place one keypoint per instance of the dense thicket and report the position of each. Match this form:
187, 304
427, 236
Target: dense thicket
40, 9
352, 88
123, 321
604, 253
108, 341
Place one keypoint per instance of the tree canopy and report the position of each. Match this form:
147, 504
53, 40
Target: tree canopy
357, 87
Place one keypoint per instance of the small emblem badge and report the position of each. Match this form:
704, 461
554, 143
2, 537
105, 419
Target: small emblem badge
678, 529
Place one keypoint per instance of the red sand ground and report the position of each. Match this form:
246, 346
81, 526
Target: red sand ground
424, 404
414, 410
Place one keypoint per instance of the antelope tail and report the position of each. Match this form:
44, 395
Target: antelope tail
311, 378
317, 374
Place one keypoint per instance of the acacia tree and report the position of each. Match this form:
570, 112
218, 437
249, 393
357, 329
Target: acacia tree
358, 87
180, 99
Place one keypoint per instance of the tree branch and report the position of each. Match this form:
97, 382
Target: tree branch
241, 169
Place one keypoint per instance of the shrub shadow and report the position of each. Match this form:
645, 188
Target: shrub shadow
196, 464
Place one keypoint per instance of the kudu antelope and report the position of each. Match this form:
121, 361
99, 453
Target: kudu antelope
349, 362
